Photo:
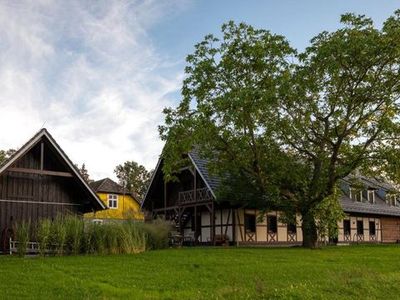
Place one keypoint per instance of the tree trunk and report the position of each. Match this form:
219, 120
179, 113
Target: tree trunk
310, 235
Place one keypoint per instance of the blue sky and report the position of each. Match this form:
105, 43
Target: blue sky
98, 73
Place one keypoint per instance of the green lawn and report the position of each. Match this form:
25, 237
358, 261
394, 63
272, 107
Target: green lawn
209, 273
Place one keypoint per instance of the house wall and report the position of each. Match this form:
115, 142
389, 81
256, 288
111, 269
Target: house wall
390, 229
128, 209
354, 237
262, 234
231, 222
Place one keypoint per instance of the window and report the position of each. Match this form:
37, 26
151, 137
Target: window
272, 224
371, 196
360, 227
392, 199
356, 195
346, 227
291, 228
113, 201
372, 229
249, 223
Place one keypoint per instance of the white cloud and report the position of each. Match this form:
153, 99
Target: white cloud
88, 69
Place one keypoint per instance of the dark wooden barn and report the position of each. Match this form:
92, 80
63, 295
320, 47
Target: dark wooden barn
40, 181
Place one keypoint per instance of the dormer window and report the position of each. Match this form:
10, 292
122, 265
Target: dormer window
371, 196
392, 199
355, 194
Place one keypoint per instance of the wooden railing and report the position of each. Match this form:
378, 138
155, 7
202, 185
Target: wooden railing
202, 195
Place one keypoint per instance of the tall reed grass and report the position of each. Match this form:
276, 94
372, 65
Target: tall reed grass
72, 235
22, 234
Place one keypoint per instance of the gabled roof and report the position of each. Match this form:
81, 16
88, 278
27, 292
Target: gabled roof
107, 185
380, 207
212, 182
43, 133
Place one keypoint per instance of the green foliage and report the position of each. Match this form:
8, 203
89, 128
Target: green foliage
4, 155
156, 234
84, 172
327, 214
282, 128
43, 235
71, 235
22, 234
58, 235
74, 233
134, 177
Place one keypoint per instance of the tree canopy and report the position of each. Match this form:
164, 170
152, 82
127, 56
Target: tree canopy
5, 154
134, 177
283, 127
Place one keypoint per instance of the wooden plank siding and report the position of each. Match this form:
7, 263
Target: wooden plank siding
390, 229
39, 181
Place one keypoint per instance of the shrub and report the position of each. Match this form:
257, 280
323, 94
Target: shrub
43, 234
22, 236
156, 234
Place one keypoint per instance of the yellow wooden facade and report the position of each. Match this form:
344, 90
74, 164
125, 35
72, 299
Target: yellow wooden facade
127, 208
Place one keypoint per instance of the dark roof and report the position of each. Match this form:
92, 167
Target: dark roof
107, 185
380, 207
43, 133
211, 181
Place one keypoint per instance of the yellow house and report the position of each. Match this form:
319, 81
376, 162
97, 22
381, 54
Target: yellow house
121, 205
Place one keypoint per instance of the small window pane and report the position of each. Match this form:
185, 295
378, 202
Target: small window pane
272, 224
250, 223
372, 229
291, 228
360, 227
346, 227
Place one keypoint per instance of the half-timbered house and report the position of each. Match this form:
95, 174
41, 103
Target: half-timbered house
40, 181
372, 211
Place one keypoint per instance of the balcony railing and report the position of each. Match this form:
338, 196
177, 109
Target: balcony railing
188, 197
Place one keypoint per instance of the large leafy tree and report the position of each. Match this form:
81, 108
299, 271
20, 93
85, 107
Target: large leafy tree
284, 128
229, 95
342, 111
134, 177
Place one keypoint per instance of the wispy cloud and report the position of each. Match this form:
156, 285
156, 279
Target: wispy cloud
88, 69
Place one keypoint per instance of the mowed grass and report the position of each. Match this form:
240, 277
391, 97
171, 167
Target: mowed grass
354, 272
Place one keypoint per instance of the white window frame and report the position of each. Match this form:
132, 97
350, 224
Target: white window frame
371, 193
353, 192
112, 201
391, 199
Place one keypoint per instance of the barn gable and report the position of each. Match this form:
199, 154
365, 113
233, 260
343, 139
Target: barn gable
39, 180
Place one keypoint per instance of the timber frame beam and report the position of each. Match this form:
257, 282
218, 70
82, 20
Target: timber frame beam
40, 172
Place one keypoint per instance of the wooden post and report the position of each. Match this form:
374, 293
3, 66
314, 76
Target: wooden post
233, 226
165, 200
41, 156
213, 223
195, 186
41, 169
